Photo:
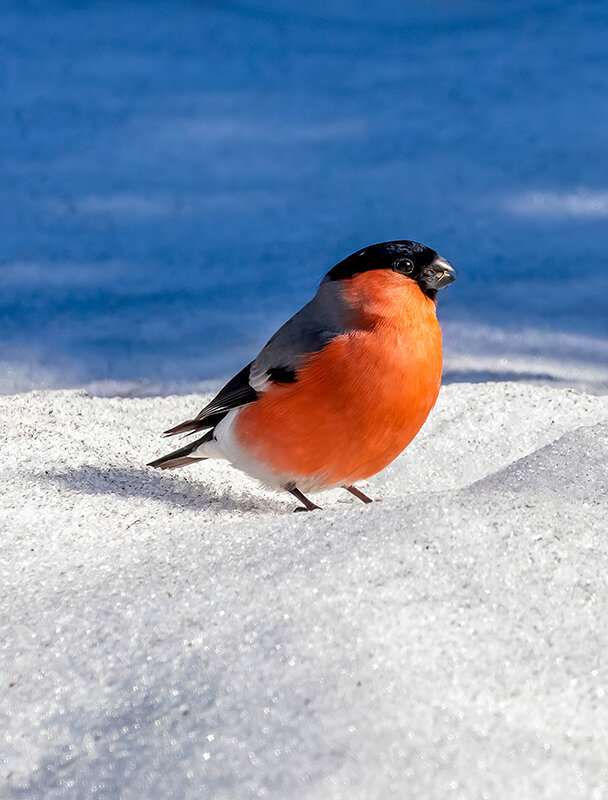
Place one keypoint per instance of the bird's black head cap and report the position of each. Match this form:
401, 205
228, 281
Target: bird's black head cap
411, 259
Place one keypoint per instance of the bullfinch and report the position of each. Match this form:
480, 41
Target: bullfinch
342, 387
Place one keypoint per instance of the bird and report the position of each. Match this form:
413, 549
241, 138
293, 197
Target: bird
342, 388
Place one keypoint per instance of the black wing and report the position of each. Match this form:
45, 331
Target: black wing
236, 393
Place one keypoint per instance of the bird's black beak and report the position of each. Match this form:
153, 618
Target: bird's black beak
438, 274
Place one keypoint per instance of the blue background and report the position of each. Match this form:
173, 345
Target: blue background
176, 177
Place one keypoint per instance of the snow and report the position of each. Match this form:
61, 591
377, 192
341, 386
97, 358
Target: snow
177, 177
174, 635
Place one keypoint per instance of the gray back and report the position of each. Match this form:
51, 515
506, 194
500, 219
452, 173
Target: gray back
309, 330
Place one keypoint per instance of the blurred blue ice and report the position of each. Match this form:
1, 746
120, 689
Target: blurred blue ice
176, 177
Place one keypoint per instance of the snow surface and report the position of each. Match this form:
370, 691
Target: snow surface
176, 177
177, 635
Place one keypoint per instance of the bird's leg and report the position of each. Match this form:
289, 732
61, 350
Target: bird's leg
359, 494
308, 504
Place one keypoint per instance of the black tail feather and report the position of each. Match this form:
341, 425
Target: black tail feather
183, 427
181, 457
191, 425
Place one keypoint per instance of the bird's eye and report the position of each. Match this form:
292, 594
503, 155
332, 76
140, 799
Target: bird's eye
405, 265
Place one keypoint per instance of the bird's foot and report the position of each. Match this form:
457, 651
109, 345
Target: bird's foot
308, 504
358, 494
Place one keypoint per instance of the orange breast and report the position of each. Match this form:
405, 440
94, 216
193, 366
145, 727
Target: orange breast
360, 401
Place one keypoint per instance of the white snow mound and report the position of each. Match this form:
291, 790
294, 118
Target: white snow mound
177, 635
